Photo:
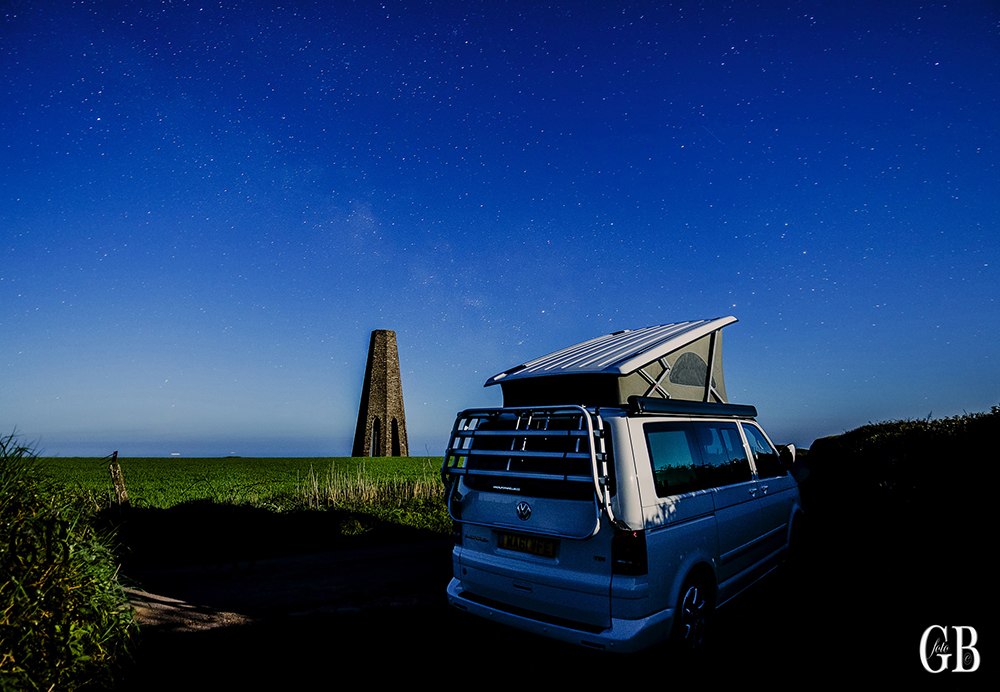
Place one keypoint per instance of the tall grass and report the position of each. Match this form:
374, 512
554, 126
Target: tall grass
344, 489
64, 618
416, 502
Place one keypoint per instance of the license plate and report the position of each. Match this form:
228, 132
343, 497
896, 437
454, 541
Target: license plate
533, 545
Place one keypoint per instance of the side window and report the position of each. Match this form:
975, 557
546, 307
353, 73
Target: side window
764, 455
673, 453
723, 453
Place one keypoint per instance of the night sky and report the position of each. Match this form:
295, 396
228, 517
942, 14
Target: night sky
206, 208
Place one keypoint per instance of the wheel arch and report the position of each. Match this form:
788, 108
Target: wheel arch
701, 571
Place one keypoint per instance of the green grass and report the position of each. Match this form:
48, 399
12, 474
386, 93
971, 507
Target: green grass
64, 619
325, 502
274, 483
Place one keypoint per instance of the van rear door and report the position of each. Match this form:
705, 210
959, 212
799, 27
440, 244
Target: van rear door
524, 487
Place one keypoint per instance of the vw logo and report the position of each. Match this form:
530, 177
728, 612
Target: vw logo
523, 510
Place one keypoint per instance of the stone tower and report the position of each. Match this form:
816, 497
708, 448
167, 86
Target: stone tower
381, 430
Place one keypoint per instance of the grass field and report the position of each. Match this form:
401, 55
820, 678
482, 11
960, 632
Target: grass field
212, 510
275, 483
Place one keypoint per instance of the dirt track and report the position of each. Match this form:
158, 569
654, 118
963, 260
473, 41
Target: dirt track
316, 621
195, 598
288, 622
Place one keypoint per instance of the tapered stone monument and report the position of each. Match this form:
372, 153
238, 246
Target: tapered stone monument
381, 430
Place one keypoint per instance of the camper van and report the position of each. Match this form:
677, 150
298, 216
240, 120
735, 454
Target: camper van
617, 498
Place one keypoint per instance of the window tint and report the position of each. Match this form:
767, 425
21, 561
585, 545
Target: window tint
673, 452
764, 456
722, 453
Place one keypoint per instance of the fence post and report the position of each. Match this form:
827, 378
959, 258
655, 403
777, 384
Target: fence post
121, 494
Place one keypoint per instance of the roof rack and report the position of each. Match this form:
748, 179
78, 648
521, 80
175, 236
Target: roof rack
639, 405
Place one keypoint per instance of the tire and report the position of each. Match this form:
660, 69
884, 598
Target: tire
693, 616
798, 542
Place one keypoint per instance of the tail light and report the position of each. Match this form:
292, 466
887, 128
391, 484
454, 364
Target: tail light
628, 553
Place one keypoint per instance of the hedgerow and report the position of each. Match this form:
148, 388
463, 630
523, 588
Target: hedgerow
937, 462
64, 618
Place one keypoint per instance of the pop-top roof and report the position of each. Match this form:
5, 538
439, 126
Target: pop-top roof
620, 353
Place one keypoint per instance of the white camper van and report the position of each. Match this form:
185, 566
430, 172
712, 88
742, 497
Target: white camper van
617, 498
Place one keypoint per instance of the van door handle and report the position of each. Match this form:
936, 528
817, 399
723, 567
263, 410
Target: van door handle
753, 491
763, 489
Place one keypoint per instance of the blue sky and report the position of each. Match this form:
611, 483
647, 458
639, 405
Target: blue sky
205, 208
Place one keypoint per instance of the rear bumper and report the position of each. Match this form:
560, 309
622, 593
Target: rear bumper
623, 636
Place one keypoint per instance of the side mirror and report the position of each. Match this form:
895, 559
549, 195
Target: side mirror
786, 455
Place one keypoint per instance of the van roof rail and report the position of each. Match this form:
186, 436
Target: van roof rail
639, 405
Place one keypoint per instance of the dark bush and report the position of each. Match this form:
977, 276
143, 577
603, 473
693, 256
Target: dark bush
931, 465
64, 618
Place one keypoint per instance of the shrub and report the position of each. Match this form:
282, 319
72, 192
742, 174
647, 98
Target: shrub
64, 618
937, 464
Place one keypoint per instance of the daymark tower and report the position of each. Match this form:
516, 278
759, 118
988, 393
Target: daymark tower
381, 430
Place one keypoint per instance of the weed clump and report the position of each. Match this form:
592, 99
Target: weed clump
64, 619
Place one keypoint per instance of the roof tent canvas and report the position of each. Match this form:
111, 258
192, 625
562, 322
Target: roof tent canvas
670, 361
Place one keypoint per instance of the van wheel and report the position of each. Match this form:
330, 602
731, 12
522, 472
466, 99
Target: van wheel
798, 541
693, 615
